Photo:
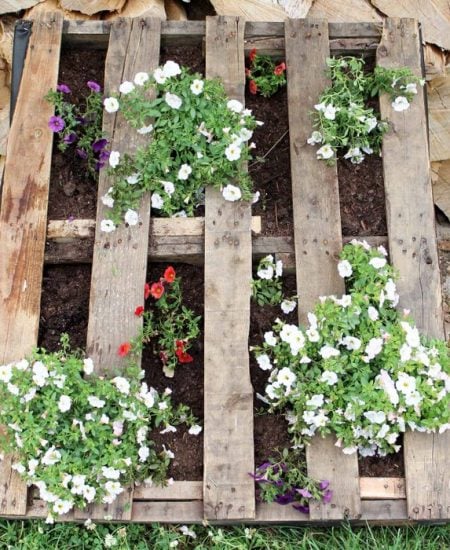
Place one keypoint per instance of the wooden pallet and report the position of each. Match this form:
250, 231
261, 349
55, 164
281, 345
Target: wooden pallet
228, 237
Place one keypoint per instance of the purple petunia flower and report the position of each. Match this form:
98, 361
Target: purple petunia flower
70, 138
301, 508
94, 86
104, 155
304, 492
82, 153
327, 496
81, 120
56, 124
63, 88
99, 145
286, 498
323, 484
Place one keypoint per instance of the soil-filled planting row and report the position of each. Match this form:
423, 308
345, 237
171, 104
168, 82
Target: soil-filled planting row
65, 298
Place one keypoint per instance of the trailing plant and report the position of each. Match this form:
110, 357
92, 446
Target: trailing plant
281, 480
80, 125
81, 438
264, 75
169, 322
360, 370
267, 288
342, 119
196, 137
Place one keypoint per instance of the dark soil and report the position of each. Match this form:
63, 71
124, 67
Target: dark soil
199, 9
189, 56
187, 384
73, 191
386, 466
64, 305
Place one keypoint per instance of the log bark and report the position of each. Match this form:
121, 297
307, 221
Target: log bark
341, 11
53, 5
439, 117
11, 6
141, 8
175, 11
6, 38
251, 10
296, 8
441, 186
435, 61
89, 7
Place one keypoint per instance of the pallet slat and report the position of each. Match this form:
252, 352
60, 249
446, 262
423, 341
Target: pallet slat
317, 233
120, 258
23, 218
413, 251
228, 442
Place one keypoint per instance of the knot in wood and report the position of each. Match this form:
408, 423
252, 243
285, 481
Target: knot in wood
382, 51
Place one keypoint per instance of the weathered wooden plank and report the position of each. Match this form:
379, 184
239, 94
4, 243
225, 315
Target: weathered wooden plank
179, 490
382, 488
317, 234
120, 258
254, 10
228, 440
413, 251
23, 218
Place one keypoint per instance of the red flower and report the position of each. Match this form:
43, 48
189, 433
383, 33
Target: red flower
279, 69
252, 87
185, 357
157, 290
252, 55
163, 356
139, 311
124, 349
146, 291
179, 344
248, 72
169, 274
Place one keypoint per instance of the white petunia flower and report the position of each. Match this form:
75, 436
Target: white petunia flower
411, 88
195, 429
157, 201
169, 187
315, 401
95, 402
19, 468
371, 123
351, 343
144, 130
173, 100
111, 104
23, 364
316, 137
171, 69
325, 152
344, 268
107, 226
373, 348
329, 112
313, 335
64, 403
287, 306
62, 507
264, 362
235, 105
378, 263
184, 172
121, 384
88, 366
52, 456
265, 272
131, 217
197, 86
126, 87
188, 532
405, 383
329, 377
413, 398
372, 313
107, 200
231, 193
233, 152
114, 159
400, 104
405, 353
110, 473
375, 417
328, 351
270, 339
159, 76
286, 377
141, 78
245, 134
89, 493
168, 453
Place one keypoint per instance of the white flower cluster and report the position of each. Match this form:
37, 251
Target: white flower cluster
360, 369
81, 413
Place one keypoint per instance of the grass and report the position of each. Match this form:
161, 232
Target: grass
36, 535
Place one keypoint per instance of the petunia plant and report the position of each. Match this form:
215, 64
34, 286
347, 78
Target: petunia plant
264, 76
169, 324
267, 287
81, 438
360, 370
281, 480
80, 125
344, 123
196, 137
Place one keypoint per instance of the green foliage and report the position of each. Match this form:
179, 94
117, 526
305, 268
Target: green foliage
342, 119
264, 76
267, 287
360, 370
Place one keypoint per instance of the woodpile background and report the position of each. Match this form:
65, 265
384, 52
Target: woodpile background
434, 15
